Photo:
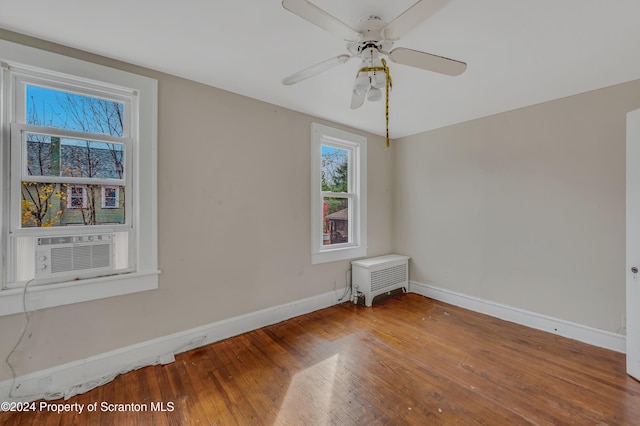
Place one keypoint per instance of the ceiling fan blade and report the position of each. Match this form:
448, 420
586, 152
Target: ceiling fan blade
411, 18
357, 100
427, 61
322, 19
315, 69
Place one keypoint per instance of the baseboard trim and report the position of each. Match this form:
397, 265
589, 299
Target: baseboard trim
582, 333
67, 380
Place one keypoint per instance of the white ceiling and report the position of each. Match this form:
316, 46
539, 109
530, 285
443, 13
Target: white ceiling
519, 52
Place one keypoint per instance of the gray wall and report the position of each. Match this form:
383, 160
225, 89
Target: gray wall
234, 225
524, 208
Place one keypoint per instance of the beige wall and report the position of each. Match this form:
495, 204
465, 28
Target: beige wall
234, 225
525, 208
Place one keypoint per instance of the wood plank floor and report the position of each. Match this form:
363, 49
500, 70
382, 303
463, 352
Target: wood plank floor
409, 360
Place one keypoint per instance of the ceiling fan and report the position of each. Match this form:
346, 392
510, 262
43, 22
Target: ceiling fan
371, 41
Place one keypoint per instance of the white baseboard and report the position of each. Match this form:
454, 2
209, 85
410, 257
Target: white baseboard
582, 333
80, 376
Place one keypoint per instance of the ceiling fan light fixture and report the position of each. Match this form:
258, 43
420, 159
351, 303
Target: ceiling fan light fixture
374, 94
361, 90
362, 83
379, 79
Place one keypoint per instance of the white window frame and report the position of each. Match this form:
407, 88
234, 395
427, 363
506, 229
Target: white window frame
103, 197
141, 226
356, 145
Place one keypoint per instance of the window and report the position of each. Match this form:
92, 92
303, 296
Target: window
110, 197
76, 198
338, 194
74, 135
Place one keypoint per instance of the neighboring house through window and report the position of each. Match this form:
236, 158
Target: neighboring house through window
338, 194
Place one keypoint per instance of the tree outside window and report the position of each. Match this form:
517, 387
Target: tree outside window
49, 156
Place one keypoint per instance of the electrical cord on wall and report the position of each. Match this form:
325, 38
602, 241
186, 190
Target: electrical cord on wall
347, 286
25, 326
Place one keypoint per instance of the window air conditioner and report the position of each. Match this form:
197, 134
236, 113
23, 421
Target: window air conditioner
73, 256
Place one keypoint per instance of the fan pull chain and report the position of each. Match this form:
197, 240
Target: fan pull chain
388, 86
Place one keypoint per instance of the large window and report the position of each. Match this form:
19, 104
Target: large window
79, 164
338, 191
67, 148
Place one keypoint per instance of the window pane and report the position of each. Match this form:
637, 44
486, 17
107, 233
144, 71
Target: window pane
65, 110
53, 204
335, 220
54, 156
335, 169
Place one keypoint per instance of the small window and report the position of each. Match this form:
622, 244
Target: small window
110, 197
336, 196
338, 210
76, 197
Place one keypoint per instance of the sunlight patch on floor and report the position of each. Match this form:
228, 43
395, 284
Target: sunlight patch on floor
308, 398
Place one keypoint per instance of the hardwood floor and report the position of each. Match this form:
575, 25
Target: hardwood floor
408, 360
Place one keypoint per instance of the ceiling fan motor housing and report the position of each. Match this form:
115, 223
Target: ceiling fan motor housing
370, 29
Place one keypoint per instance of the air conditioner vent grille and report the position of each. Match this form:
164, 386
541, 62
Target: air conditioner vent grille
78, 258
61, 259
100, 256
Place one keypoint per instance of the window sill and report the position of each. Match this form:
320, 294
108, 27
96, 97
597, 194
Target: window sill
66, 293
335, 255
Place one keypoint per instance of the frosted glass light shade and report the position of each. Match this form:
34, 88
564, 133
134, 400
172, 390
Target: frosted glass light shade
374, 94
379, 79
362, 83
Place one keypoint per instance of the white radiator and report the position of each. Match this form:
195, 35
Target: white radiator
379, 275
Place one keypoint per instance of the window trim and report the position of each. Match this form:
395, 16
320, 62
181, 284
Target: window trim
357, 147
143, 256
